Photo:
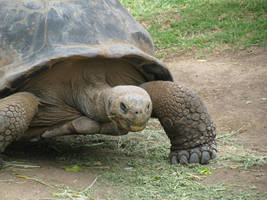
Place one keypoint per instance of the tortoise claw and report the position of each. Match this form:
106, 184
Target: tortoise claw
201, 154
205, 157
194, 158
174, 160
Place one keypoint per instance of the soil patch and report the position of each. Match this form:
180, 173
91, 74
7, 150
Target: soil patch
234, 88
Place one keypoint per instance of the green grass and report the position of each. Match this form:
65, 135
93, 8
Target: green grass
202, 25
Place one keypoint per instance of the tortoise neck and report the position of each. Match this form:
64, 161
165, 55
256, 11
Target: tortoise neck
91, 101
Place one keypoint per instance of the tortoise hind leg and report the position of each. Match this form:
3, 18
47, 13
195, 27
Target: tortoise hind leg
16, 113
185, 120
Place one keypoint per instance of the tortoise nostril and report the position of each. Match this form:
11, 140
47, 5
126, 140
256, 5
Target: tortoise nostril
138, 112
124, 108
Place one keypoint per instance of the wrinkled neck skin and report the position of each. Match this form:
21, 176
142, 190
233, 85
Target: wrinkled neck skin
90, 99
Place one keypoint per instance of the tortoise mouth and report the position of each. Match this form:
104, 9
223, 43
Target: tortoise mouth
127, 125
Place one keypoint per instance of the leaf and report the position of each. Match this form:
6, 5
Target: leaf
263, 99
97, 163
58, 195
234, 167
22, 176
203, 170
252, 187
248, 102
75, 168
129, 168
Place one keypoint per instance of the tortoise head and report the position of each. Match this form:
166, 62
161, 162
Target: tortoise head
129, 107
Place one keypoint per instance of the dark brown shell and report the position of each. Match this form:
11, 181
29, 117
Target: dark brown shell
36, 34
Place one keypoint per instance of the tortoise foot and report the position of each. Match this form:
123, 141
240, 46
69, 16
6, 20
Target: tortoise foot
185, 120
201, 154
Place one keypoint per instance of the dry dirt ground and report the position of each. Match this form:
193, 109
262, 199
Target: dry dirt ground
233, 88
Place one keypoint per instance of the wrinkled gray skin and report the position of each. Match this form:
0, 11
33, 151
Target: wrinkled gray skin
63, 73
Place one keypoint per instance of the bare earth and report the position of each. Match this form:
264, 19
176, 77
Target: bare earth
233, 88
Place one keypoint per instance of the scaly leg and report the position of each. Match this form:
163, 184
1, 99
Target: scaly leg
16, 113
185, 120
84, 125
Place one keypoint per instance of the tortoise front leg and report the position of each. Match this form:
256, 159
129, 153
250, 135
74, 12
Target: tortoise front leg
185, 120
16, 113
84, 125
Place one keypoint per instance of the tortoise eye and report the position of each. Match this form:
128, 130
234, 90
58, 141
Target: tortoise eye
124, 108
148, 108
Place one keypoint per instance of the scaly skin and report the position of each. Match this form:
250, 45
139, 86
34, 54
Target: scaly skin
16, 113
185, 120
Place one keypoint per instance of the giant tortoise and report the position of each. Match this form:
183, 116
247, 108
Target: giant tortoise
87, 67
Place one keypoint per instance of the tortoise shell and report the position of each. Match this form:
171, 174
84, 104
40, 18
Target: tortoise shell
36, 34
